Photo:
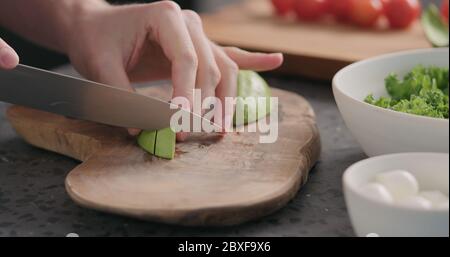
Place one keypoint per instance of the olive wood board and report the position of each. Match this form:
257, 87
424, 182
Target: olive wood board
213, 180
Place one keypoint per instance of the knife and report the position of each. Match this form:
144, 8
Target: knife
84, 99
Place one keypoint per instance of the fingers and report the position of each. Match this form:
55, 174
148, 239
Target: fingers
208, 74
8, 57
195, 61
254, 61
134, 132
168, 28
228, 84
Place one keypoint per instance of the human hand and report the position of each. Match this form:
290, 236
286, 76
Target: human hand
117, 45
8, 57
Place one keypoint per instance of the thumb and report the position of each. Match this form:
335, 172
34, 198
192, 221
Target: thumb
8, 57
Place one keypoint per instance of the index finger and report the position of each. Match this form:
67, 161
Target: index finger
168, 28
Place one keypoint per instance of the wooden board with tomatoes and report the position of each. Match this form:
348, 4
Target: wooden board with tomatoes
318, 37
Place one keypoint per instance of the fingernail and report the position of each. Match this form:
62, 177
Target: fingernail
182, 136
277, 54
133, 131
8, 58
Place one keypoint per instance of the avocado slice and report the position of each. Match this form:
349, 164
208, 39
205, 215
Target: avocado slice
161, 143
251, 85
147, 140
165, 143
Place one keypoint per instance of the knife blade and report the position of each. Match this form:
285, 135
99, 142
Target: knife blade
84, 99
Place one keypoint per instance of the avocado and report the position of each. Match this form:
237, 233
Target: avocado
251, 85
161, 143
165, 143
147, 140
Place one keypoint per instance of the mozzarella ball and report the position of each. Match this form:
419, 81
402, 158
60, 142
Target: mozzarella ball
377, 192
417, 202
436, 198
401, 184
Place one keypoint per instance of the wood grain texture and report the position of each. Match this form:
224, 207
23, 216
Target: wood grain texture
317, 49
212, 181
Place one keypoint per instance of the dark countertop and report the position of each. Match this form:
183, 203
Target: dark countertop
33, 201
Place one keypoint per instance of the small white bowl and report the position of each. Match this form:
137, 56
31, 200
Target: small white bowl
371, 217
381, 131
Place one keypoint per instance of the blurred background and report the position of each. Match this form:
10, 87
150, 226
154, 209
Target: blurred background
33, 55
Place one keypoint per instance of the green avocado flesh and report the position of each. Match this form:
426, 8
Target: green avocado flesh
147, 140
251, 86
165, 143
161, 143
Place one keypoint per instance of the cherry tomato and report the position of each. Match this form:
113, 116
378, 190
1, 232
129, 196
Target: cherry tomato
385, 4
402, 13
340, 9
310, 9
444, 10
328, 4
283, 7
365, 13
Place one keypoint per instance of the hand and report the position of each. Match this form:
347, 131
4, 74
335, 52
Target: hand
117, 45
8, 57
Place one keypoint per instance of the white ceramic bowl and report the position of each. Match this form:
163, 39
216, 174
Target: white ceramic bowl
371, 217
381, 131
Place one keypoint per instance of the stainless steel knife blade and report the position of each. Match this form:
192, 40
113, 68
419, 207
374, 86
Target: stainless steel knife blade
83, 99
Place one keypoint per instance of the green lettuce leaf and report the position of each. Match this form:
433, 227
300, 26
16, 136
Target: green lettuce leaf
423, 91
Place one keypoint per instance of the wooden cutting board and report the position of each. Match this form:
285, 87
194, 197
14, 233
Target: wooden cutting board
212, 181
316, 50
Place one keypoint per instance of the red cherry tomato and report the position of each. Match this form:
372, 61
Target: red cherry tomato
444, 10
365, 13
385, 4
283, 7
328, 4
340, 9
402, 13
310, 9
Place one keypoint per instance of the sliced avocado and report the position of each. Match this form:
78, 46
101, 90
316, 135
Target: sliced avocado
251, 85
165, 143
147, 140
161, 143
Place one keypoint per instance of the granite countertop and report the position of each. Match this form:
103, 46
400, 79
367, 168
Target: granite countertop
33, 201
